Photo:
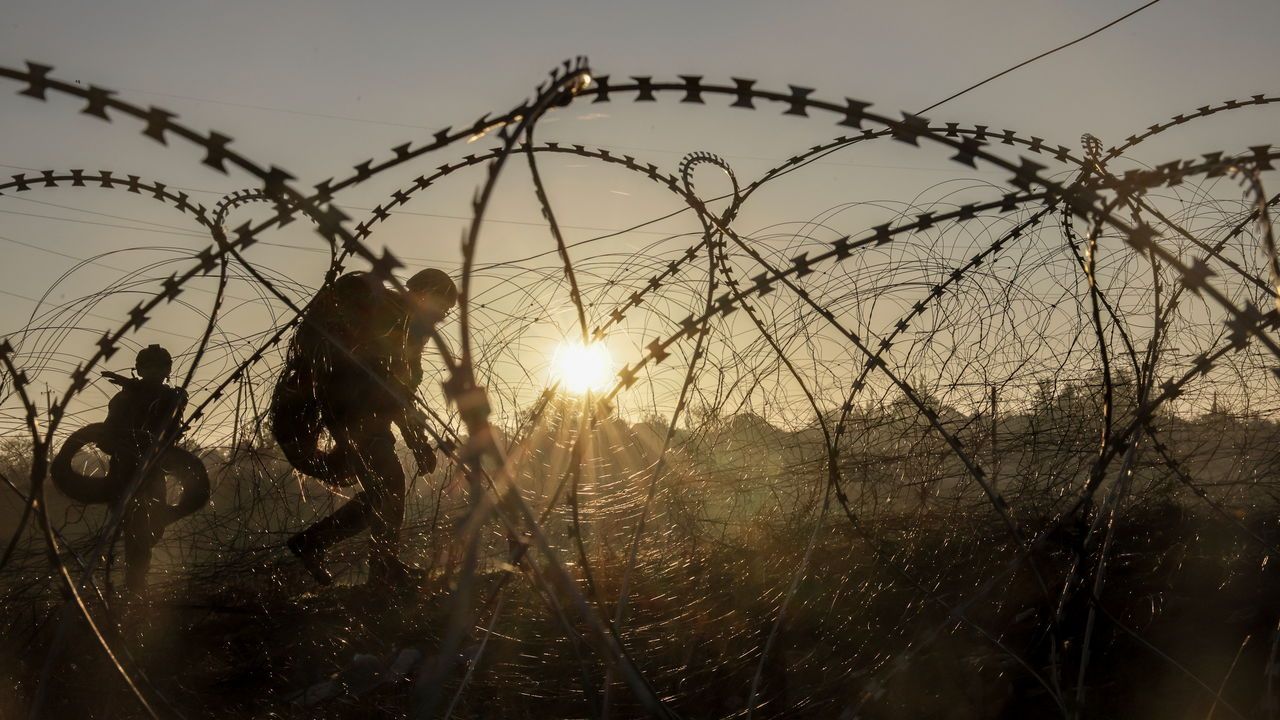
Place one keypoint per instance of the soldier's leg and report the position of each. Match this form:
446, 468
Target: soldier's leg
142, 531
383, 479
353, 516
343, 523
310, 545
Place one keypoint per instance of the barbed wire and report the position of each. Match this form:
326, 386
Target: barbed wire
679, 529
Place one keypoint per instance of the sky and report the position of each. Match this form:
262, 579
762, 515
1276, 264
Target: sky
317, 87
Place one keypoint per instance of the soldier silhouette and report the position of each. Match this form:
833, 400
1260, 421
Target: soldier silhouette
359, 350
141, 424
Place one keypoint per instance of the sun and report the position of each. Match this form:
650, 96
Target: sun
582, 369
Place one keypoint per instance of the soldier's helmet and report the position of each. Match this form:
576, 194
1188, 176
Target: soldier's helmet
433, 290
153, 363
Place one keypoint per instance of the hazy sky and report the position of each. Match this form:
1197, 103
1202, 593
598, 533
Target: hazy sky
316, 87
395, 61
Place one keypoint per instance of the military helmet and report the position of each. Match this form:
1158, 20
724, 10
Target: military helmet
434, 283
153, 361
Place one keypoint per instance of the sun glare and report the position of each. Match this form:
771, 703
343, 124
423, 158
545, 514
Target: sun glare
581, 369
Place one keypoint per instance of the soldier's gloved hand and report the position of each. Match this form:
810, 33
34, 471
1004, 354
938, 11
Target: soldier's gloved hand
416, 438
425, 456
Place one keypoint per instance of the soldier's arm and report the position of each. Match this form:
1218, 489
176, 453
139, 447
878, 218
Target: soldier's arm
178, 406
119, 410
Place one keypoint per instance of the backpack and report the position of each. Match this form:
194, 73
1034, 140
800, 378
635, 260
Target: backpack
320, 348
331, 326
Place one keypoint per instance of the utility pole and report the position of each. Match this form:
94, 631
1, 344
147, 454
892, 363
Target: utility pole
995, 450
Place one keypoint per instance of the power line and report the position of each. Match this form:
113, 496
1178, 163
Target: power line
268, 108
102, 224
150, 328
440, 216
1046, 53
